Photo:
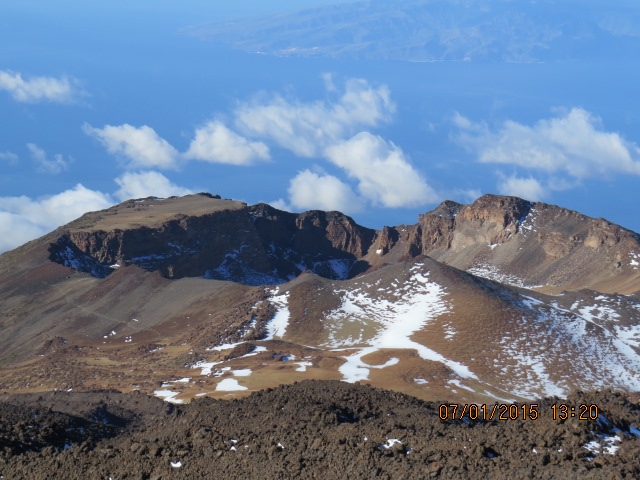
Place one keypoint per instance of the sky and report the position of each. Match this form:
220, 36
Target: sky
104, 102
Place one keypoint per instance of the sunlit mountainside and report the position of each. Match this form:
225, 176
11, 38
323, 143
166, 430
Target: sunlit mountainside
199, 296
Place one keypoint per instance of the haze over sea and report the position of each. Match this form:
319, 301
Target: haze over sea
379, 109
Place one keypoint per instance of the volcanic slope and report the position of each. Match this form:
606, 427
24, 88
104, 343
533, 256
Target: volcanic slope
138, 297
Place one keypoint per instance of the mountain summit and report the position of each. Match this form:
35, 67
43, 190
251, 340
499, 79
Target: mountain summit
178, 297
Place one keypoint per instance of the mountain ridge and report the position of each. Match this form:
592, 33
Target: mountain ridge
237, 298
504, 238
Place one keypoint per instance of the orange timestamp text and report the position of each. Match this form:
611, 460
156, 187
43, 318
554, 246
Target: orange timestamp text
514, 411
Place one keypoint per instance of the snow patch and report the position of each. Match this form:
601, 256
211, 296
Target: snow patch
303, 366
206, 367
230, 385
390, 443
355, 369
168, 396
606, 444
492, 272
226, 346
563, 348
277, 326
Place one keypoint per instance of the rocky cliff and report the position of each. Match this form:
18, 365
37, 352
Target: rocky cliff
507, 239
221, 240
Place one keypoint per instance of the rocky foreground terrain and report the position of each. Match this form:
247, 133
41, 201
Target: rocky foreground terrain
312, 429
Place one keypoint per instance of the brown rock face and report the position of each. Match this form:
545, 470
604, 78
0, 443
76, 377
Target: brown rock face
489, 220
187, 246
253, 245
438, 225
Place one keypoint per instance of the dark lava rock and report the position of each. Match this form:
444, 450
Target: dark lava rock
312, 429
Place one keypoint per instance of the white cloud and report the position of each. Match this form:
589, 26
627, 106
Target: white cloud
574, 143
9, 157
21, 228
147, 184
35, 89
141, 145
307, 128
527, 188
281, 204
310, 191
323, 129
384, 174
216, 143
55, 165
27, 219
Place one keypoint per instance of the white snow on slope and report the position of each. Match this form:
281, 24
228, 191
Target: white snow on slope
609, 445
492, 272
527, 223
415, 303
606, 312
168, 396
206, 367
629, 335
303, 366
562, 349
230, 385
277, 326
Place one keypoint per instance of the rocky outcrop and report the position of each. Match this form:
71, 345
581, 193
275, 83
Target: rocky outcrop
527, 243
253, 245
327, 243
184, 246
489, 220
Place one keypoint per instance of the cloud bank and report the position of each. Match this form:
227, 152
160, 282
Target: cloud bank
216, 143
141, 146
565, 149
384, 175
10, 157
335, 129
36, 89
309, 191
27, 218
307, 128
147, 184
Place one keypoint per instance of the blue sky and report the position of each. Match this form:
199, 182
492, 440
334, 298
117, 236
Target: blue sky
101, 103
